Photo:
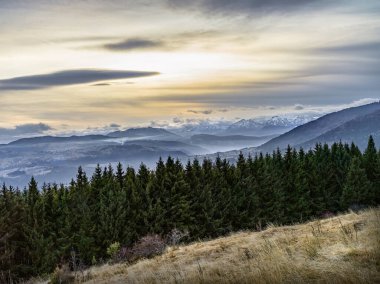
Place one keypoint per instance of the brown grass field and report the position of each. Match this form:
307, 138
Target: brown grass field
341, 249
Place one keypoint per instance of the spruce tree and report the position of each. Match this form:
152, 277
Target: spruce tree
371, 163
355, 191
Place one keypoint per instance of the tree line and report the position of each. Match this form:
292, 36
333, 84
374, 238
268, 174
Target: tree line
42, 226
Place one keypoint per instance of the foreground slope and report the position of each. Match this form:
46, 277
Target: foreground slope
342, 249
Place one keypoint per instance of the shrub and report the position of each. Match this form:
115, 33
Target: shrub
149, 246
176, 236
126, 253
327, 214
146, 247
113, 250
62, 275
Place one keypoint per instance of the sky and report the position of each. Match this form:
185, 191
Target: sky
86, 66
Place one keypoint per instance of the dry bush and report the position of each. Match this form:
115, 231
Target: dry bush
146, 247
149, 246
62, 275
176, 236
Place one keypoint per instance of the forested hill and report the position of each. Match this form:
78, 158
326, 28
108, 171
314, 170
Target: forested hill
45, 224
357, 129
345, 125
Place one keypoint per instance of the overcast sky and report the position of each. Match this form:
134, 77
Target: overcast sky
72, 65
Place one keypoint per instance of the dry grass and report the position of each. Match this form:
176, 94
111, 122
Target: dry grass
343, 249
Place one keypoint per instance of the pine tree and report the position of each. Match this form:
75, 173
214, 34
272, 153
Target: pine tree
202, 204
355, 191
81, 225
371, 163
14, 247
339, 162
303, 186
143, 178
132, 204
34, 228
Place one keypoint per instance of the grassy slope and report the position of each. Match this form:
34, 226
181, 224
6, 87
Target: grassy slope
343, 249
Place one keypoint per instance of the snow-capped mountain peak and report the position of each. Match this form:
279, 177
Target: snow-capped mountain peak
278, 122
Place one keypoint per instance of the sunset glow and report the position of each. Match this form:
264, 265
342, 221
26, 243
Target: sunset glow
209, 55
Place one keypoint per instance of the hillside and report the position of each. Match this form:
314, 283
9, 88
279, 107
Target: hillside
342, 249
356, 130
318, 127
217, 143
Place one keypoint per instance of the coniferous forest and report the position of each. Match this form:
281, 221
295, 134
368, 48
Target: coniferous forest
43, 225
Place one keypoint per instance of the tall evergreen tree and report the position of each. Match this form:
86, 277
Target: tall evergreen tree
371, 163
355, 191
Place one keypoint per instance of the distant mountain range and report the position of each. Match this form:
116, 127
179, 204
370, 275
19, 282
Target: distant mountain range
145, 133
56, 139
269, 126
261, 126
55, 159
354, 124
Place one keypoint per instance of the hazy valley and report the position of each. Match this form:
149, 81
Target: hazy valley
55, 159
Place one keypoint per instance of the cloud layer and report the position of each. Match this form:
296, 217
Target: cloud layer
68, 77
211, 55
247, 6
134, 44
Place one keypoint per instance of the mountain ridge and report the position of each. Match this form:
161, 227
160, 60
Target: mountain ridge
315, 128
356, 130
142, 132
57, 139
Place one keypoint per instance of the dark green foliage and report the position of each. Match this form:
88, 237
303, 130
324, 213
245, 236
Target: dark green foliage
42, 227
371, 163
356, 191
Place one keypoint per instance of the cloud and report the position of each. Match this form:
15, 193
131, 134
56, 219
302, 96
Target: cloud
348, 89
364, 101
114, 125
207, 111
101, 84
68, 77
159, 124
247, 6
8, 134
178, 120
134, 44
368, 49
29, 128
